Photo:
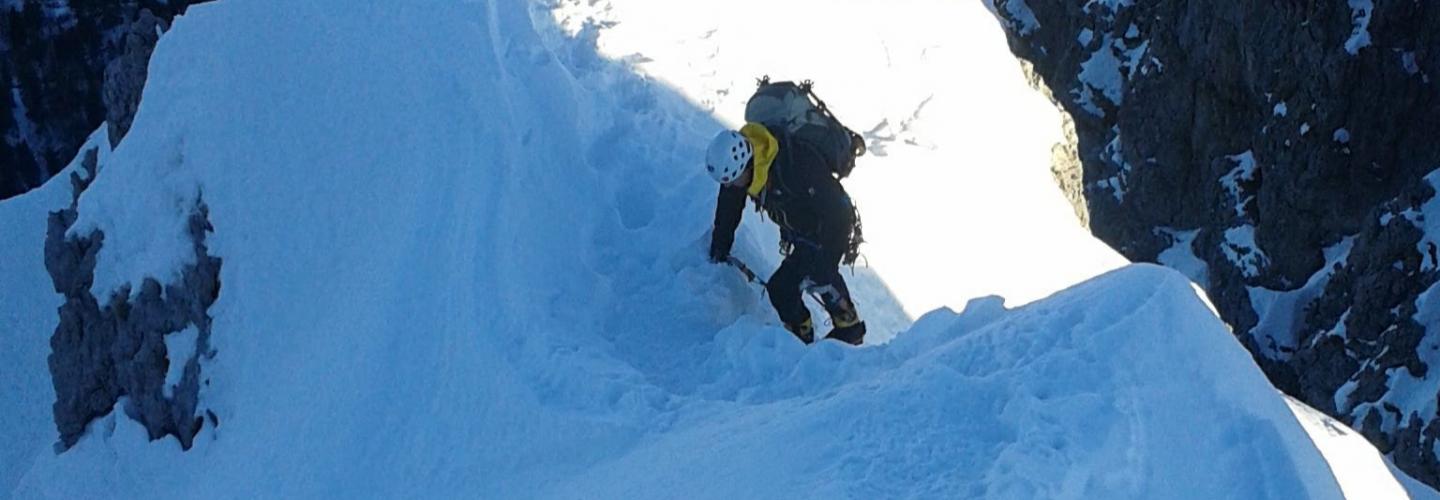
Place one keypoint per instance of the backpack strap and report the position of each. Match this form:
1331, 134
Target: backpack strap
857, 143
809, 87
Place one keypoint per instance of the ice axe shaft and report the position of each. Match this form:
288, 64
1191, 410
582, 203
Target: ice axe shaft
745, 270
750, 275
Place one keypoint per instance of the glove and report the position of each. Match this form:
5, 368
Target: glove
718, 254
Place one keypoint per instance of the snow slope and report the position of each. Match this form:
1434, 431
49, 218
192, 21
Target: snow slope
464, 256
1096, 392
1359, 468
27, 317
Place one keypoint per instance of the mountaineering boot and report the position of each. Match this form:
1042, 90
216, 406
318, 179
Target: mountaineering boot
848, 327
853, 334
805, 331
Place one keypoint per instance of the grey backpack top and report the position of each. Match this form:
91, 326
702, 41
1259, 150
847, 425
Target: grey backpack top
795, 109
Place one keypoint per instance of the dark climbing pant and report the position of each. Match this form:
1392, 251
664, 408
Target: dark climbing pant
809, 268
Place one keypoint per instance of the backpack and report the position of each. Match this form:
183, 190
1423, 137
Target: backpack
796, 109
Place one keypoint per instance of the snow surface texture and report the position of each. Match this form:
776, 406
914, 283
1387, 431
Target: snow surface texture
465, 257
27, 317
1029, 403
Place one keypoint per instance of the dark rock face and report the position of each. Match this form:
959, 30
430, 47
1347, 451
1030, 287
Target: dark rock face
102, 353
70, 65
1276, 152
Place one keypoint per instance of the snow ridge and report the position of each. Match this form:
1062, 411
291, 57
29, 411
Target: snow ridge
478, 271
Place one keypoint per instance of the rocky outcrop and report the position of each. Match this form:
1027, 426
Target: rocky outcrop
1276, 152
147, 347
125, 74
70, 65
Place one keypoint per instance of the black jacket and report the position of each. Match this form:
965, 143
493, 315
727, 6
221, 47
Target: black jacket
801, 196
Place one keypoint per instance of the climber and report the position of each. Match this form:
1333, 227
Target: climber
790, 180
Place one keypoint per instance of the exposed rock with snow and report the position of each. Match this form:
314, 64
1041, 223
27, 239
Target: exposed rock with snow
125, 348
409, 311
70, 65
125, 74
1290, 143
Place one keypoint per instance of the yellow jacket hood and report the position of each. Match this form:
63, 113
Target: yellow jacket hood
766, 148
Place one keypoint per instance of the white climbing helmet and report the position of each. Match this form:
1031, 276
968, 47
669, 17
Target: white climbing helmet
728, 155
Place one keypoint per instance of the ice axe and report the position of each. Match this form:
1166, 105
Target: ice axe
745, 270
753, 278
